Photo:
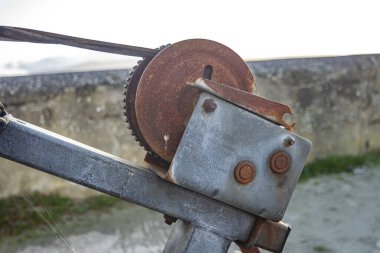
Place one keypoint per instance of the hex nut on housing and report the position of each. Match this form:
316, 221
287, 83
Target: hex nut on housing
280, 162
245, 172
209, 105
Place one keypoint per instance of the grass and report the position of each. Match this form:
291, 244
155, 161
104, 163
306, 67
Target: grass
338, 164
321, 248
22, 213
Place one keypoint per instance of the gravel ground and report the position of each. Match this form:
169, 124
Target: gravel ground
339, 213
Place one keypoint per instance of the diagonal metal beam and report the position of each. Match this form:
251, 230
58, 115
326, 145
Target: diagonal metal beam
43, 150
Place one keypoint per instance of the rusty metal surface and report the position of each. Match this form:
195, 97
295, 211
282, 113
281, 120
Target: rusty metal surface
164, 102
152, 159
268, 235
280, 162
245, 172
265, 107
17, 34
129, 100
209, 105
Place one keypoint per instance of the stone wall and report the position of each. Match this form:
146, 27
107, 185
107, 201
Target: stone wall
336, 100
336, 103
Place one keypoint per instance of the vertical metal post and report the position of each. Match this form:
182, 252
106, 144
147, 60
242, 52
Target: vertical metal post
187, 238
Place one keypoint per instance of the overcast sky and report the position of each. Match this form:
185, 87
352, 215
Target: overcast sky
254, 29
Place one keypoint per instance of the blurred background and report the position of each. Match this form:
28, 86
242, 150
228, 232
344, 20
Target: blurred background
320, 57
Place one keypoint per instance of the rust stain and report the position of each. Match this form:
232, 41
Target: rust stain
268, 235
209, 105
245, 172
164, 103
280, 162
268, 108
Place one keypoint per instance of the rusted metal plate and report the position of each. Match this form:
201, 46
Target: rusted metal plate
268, 235
164, 102
265, 107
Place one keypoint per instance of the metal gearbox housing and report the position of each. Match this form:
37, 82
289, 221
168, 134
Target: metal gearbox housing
214, 143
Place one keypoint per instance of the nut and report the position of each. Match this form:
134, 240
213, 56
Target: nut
209, 105
169, 219
245, 172
280, 162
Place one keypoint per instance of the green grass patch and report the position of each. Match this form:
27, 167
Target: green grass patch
338, 164
321, 248
21, 213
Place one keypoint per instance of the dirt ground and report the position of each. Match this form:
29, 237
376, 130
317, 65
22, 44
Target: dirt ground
339, 213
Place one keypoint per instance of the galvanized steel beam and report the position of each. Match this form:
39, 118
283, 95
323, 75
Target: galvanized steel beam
43, 150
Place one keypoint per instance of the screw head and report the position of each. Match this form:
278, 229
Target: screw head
280, 162
245, 172
209, 105
289, 141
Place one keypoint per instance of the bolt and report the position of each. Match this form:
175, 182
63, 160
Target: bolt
280, 162
245, 172
169, 220
209, 105
289, 141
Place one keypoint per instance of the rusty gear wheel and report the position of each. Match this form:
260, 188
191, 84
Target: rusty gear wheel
163, 102
129, 101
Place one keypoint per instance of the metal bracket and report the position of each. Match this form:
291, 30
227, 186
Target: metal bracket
54, 154
234, 156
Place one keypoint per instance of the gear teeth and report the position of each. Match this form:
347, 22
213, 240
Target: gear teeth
130, 117
125, 113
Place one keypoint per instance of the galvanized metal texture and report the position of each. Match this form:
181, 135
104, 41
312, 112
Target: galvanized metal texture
214, 143
43, 150
186, 238
267, 108
17, 34
164, 102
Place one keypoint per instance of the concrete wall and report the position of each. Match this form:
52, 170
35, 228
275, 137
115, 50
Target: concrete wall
336, 100
336, 103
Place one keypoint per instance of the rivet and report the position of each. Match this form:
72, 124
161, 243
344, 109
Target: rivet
245, 172
209, 105
280, 162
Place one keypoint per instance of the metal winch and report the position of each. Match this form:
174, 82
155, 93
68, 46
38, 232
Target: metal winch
226, 158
